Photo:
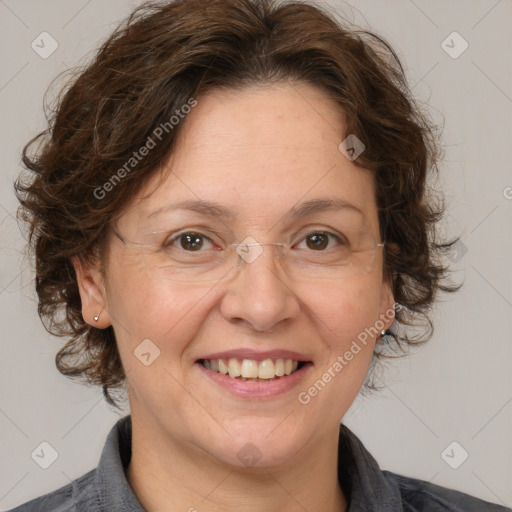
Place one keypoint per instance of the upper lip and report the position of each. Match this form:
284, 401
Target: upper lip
256, 355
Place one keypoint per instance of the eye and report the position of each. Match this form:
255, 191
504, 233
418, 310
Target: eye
189, 241
319, 240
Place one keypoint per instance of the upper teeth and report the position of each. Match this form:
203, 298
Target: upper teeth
251, 369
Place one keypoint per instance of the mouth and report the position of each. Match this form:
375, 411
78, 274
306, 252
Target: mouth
256, 374
253, 370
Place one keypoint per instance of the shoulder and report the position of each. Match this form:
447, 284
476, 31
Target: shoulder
77, 496
420, 495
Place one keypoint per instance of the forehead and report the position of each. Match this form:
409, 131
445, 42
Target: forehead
260, 152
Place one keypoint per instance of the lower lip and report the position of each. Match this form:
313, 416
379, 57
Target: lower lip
261, 389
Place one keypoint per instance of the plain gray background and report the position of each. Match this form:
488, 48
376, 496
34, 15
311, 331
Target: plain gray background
456, 388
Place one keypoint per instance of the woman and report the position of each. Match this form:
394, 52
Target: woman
231, 210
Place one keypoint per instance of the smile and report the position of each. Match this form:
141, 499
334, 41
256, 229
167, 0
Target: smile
252, 370
272, 386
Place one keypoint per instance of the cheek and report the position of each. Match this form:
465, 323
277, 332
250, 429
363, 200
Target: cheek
344, 317
344, 311
163, 312
154, 325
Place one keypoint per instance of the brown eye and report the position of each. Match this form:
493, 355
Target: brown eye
189, 241
192, 242
317, 241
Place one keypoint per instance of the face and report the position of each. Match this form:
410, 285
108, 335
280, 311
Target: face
258, 153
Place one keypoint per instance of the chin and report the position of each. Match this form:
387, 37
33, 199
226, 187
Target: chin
258, 446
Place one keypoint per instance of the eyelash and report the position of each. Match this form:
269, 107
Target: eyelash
170, 241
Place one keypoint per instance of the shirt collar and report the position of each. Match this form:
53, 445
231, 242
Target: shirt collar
113, 488
360, 477
363, 482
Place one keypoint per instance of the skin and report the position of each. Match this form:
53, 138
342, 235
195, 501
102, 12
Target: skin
258, 151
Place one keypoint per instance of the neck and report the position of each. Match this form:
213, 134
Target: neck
168, 475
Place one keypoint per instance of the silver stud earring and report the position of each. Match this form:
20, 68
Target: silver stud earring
97, 317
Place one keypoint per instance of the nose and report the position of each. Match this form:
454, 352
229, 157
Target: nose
259, 294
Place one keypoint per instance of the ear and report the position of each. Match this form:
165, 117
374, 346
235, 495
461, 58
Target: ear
92, 293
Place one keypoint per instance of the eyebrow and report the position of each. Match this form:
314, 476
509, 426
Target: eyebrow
212, 209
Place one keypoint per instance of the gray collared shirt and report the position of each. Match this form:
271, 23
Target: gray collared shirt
366, 486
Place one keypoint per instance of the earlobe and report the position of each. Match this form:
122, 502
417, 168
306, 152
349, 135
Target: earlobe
92, 294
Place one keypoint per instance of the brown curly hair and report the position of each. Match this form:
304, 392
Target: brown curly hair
162, 55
